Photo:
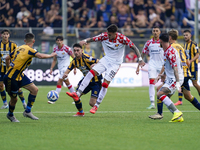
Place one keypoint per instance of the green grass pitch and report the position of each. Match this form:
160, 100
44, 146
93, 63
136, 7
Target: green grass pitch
121, 123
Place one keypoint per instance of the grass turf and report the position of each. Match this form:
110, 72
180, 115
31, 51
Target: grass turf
120, 123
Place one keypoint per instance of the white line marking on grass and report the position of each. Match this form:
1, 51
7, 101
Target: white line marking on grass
44, 112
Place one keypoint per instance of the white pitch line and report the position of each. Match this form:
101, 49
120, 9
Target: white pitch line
44, 112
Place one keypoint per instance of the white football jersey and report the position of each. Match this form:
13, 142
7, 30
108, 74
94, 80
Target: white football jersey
172, 59
153, 49
114, 49
63, 56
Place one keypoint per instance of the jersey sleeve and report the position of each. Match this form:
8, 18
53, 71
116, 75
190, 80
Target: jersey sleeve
32, 52
70, 51
172, 58
90, 59
146, 48
100, 37
71, 65
127, 41
196, 48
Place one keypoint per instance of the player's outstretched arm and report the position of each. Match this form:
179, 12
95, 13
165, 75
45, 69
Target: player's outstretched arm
84, 42
178, 86
44, 56
53, 64
65, 75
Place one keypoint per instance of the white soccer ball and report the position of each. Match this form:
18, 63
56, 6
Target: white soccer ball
52, 96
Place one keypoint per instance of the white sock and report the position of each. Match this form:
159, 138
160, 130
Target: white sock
58, 89
170, 105
71, 88
152, 93
102, 94
84, 83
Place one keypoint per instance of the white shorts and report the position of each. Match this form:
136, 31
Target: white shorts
62, 71
170, 83
108, 67
154, 71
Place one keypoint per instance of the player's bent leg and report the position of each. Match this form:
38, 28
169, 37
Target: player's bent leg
92, 101
191, 99
3, 96
196, 85
69, 86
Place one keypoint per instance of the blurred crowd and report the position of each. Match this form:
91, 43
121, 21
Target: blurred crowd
127, 14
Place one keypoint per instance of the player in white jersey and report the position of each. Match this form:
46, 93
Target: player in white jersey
174, 77
113, 45
63, 57
153, 49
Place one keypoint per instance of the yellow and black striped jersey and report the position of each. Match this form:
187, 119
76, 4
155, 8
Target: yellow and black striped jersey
183, 57
20, 59
192, 49
5, 50
84, 65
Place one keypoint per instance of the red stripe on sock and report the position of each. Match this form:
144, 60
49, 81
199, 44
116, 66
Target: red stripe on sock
59, 86
93, 73
105, 85
151, 81
162, 97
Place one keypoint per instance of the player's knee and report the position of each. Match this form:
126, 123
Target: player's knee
34, 91
105, 85
92, 72
151, 81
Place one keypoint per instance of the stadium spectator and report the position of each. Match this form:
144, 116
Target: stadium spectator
28, 5
152, 15
40, 22
113, 20
48, 30
141, 19
122, 17
100, 12
149, 5
131, 57
100, 26
127, 31
138, 5
92, 23
185, 25
10, 22
22, 12
70, 19
159, 20
179, 10
172, 23
4, 7
88, 50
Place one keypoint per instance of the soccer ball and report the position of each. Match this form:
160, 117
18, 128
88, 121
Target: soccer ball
52, 96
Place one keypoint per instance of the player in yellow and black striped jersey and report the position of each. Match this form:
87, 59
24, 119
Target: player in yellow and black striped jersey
15, 78
84, 63
193, 51
7, 47
173, 35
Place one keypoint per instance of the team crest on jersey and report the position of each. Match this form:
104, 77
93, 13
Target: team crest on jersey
95, 92
63, 53
164, 59
117, 45
8, 48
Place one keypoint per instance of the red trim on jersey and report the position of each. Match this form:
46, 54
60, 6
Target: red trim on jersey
59, 86
69, 87
105, 85
162, 97
93, 73
151, 81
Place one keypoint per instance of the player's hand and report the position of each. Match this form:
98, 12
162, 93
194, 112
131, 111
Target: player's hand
75, 71
141, 63
178, 87
137, 70
65, 76
53, 54
157, 79
83, 42
51, 70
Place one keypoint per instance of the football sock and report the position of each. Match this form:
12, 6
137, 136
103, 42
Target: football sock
3, 96
78, 105
170, 105
11, 110
195, 102
21, 95
85, 82
180, 96
31, 100
102, 94
152, 92
58, 89
71, 88
160, 106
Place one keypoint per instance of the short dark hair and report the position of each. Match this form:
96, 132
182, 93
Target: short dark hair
112, 28
29, 37
59, 38
156, 26
5, 30
187, 31
173, 33
77, 45
164, 37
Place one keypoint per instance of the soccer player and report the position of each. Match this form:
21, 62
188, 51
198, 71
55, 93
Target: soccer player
63, 56
113, 44
152, 48
7, 47
193, 51
15, 78
173, 35
174, 78
84, 63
